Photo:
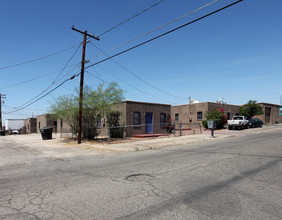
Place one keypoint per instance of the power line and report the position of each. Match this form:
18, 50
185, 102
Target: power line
128, 19
39, 77
29, 109
151, 31
168, 32
55, 78
67, 62
43, 95
37, 59
99, 78
142, 80
16, 84
139, 90
42, 92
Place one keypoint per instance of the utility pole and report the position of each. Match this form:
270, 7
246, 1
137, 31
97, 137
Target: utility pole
2, 96
81, 81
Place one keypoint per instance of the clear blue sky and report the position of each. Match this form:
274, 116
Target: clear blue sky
235, 54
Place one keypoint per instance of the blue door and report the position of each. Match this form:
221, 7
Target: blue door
149, 122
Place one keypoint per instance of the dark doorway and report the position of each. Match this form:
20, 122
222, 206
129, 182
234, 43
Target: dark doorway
267, 115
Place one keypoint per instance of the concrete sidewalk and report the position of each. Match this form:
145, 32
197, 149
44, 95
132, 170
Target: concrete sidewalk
163, 142
137, 145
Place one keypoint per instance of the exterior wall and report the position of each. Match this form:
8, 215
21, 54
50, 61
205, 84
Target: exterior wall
190, 113
229, 110
46, 120
144, 108
62, 126
30, 125
270, 115
121, 107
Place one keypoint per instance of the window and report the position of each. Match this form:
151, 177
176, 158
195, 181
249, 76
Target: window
136, 118
238, 118
163, 119
176, 117
228, 115
55, 123
39, 125
199, 116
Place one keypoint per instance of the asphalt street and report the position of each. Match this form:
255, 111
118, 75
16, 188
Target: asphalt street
233, 178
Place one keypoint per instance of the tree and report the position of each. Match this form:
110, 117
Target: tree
66, 107
95, 102
214, 114
100, 101
251, 109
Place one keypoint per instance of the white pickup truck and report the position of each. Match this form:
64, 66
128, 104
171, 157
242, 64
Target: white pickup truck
239, 122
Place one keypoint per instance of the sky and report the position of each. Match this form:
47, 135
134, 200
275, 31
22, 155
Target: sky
234, 54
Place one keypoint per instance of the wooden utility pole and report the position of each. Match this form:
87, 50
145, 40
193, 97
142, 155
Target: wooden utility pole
82, 81
1, 96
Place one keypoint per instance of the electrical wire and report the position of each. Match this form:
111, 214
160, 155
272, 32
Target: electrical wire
168, 32
37, 59
67, 62
16, 84
39, 77
29, 109
99, 78
142, 80
139, 90
151, 31
18, 109
128, 19
55, 79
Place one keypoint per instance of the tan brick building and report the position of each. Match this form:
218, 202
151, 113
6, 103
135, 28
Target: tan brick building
143, 117
147, 118
30, 125
46, 120
271, 113
195, 113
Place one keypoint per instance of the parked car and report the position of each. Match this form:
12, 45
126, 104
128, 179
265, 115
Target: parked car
15, 131
255, 122
239, 122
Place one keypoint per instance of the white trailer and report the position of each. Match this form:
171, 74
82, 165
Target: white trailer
14, 125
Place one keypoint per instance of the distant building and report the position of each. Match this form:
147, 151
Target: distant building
195, 112
14, 124
271, 113
46, 120
30, 125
